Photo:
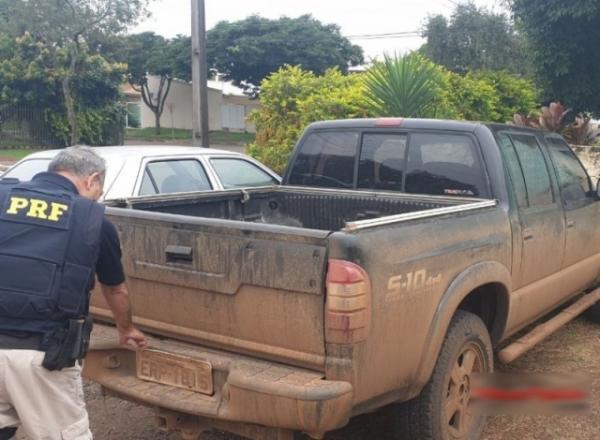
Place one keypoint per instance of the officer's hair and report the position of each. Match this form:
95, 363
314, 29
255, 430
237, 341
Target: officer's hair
81, 161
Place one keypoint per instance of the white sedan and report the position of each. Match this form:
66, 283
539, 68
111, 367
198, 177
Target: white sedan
149, 170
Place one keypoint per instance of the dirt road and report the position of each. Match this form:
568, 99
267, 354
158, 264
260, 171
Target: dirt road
574, 348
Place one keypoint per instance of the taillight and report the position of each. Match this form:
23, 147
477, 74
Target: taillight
348, 304
388, 122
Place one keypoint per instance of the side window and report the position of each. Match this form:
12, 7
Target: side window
172, 176
444, 164
382, 161
572, 179
535, 170
514, 170
148, 188
238, 173
326, 159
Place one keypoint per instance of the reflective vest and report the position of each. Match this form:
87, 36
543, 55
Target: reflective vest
49, 244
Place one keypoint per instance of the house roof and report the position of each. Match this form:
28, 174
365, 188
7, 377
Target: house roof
226, 88
128, 90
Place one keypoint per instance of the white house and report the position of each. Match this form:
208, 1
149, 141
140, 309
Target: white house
228, 107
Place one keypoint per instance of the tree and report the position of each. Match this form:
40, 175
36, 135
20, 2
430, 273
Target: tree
564, 39
63, 27
150, 54
475, 39
31, 74
247, 51
410, 86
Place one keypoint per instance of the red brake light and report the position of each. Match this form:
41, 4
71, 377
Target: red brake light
388, 122
348, 305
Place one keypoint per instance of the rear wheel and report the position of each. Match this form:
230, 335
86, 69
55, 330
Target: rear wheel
443, 410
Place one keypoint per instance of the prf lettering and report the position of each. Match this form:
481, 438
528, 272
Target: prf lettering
37, 208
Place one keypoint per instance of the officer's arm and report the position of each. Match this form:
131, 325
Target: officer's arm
117, 298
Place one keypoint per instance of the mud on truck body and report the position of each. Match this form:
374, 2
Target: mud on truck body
394, 259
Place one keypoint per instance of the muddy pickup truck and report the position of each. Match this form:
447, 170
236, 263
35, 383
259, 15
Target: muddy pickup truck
294, 308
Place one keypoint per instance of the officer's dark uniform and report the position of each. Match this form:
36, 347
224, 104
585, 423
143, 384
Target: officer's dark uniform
49, 244
52, 242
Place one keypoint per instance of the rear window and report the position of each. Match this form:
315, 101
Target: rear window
239, 173
326, 159
382, 161
444, 164
419, 163
28, 168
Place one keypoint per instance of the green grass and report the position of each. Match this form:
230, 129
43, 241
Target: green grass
148, 134
167, 134
14, 143
226, 137
17, 153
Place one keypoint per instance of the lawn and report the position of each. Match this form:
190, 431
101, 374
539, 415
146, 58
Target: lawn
177, 134
16, 153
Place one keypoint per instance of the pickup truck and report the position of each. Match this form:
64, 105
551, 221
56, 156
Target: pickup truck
289, 309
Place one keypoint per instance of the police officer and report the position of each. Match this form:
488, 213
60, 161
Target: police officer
53, 239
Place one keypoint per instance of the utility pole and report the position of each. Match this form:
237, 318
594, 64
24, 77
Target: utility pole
199, 74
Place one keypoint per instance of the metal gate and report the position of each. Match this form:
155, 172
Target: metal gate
25, 126
234, 116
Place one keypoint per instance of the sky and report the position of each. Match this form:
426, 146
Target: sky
356, 18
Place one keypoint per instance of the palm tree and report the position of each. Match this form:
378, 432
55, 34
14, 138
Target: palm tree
407, 86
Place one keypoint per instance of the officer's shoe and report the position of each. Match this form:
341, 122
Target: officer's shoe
7, 433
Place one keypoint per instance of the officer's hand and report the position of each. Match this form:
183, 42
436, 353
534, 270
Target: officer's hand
133, 335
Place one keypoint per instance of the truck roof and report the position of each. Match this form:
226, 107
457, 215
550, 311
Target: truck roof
410, 123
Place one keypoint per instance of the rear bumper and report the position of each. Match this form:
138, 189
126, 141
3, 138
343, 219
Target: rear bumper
245, 389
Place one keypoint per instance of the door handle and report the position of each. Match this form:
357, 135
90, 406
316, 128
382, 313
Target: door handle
570, 224
527, 234
179, 254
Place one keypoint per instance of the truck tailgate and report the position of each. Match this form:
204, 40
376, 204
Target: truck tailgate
237, 286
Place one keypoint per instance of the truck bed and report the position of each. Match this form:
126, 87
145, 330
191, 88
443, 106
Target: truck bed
245, 270
321, 209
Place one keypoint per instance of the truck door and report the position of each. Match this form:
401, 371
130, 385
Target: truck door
582, 212
541, 216
542, 226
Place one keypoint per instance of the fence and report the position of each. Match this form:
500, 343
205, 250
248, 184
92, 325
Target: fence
22, 126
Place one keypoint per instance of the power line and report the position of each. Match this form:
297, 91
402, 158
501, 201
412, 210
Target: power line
390, 35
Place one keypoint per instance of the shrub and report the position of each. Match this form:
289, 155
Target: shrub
103, 126
410, 86
554, 117
293, 98
471, 98
515, 94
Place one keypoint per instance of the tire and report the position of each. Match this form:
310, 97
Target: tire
593, 313
425, 418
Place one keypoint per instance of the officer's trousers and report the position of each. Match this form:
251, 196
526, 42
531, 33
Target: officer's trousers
47, 405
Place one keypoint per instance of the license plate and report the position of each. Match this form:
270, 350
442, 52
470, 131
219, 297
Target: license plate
176, 371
